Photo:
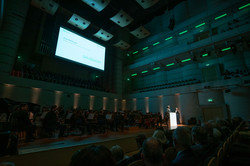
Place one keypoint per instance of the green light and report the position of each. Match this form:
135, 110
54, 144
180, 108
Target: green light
183, 32
168, 38
156, 43
210, 100
225, 49
204, 55
19, 57
185, 60
171, 64
135, 74
156, 68
223, 15
145, 48
135, 52
242, 7
197, 26
128, 54
144, 71
96, 76
128, 79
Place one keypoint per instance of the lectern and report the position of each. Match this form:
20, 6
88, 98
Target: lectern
172, 119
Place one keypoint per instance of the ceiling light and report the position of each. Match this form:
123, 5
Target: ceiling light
145, 71
135, 74
145, 48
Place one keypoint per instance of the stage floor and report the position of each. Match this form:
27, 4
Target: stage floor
63, 142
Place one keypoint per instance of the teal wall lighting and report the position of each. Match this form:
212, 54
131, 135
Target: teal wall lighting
135, 52
145, 71
135, 74
185, 60
204, 55
157, 68
156, 43
197, 26
225, 49
169, 38
223, 15
242, 7
171, 64
145, 48
183, 32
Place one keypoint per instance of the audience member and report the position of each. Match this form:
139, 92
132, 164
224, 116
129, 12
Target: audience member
182, 142
117, 153
93, 156
152, 154
200, 139
160, 136
139, 141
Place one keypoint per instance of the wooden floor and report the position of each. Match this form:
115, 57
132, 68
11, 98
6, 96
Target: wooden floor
56, 143
69, 141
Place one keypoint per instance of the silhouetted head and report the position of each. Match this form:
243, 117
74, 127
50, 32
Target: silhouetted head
92, 156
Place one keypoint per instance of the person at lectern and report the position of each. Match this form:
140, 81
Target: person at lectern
168, 109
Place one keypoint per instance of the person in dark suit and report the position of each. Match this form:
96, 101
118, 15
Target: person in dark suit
19, 121
182, 143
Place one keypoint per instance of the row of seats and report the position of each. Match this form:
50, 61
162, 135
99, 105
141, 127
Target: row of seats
169, 85
56, 78
223, 151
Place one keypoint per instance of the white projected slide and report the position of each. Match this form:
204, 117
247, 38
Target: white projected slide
76, 48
